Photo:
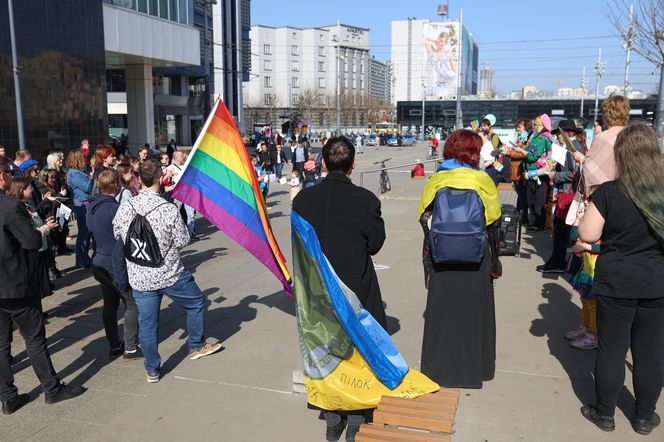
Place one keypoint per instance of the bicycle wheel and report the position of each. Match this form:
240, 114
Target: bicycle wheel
388, 186
381, 184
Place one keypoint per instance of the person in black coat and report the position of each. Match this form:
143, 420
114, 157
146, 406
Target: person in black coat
20, 304
349, 227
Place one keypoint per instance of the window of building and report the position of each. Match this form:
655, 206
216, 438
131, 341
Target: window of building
268, 82
294, 34
184, 12
163, 9
295, 65
321, 66
267, 65
267, 99
321, 82
321, 37
321, 51
354, 82
267, 49
345, 66
295, 50
143, 6
295, 82
295, 98
173, 10
154, 7
354, 68
361, 68
115, 80
362, 83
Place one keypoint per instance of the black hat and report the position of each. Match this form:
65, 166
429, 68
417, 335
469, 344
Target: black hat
567, 125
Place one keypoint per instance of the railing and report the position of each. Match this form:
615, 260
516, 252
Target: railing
394, 167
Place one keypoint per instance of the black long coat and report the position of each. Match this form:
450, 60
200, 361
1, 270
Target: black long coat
350, 229
18, 242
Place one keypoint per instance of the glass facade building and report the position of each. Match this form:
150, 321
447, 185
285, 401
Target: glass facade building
174, 10
61, 59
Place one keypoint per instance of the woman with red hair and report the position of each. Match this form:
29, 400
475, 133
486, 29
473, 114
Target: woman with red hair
459, 344
104, 159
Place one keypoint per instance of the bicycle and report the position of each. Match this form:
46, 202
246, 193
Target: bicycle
432, 153
383, 180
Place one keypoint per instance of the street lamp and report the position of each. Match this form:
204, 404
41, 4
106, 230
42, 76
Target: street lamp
17, 80
206, 61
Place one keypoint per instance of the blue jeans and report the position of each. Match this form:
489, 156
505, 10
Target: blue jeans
82, 237
186, 294
191, 213
279, 169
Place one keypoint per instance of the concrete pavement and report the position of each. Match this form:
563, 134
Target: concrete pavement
244, 392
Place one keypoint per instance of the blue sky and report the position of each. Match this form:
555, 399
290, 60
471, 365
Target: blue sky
553, 46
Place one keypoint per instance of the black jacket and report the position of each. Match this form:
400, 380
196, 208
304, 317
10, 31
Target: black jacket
349, 226
18, 239
266, 160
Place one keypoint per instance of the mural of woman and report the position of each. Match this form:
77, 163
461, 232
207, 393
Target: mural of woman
441, 56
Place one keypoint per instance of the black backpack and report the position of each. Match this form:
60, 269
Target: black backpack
141, 245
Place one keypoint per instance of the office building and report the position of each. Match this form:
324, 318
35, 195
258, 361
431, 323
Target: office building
103, 70
296, 74
425, 58
232, 53
380, 79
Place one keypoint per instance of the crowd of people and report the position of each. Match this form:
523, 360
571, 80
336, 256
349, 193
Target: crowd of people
604, 201
124, 213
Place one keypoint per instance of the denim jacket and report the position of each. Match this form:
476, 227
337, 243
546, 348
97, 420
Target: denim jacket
79, 183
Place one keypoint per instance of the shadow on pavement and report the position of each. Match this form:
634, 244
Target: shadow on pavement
192, 258
559, 315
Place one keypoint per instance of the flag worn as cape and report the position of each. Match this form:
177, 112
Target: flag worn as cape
219, 182
350, 362
463, 178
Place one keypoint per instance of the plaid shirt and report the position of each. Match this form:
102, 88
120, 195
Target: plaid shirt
168, 228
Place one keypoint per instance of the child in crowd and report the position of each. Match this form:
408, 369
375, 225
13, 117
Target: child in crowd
294, 184
585, 336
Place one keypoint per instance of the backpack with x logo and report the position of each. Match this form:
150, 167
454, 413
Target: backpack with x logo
141, 245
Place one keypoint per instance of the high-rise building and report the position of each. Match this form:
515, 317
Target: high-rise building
296, 74
486, 83
380, 78
425, 60
232, 52
104, 69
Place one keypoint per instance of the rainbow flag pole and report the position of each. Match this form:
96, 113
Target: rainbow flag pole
220, 183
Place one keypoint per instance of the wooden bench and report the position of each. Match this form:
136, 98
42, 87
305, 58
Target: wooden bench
428, 418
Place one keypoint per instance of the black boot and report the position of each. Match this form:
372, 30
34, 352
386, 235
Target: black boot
605, 423
335, 426
645, 426
66, 392
11, 405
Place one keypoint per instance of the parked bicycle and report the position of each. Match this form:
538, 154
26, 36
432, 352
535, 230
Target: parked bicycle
383, 180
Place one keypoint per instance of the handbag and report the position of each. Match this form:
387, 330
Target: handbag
575, 204
563, 203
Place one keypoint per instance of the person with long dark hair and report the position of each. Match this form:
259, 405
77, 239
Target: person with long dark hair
627, 215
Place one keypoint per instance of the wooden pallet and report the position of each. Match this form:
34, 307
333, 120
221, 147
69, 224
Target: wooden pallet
428, 418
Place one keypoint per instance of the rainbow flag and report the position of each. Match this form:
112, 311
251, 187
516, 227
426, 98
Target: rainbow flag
350, 362
219, 182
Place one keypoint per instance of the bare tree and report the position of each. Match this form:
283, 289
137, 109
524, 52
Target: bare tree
309, 101
645, 32
271, 106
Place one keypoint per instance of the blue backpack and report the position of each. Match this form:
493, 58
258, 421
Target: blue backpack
458, 230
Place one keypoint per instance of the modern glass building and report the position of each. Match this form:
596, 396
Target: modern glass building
60, 46
100, 69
